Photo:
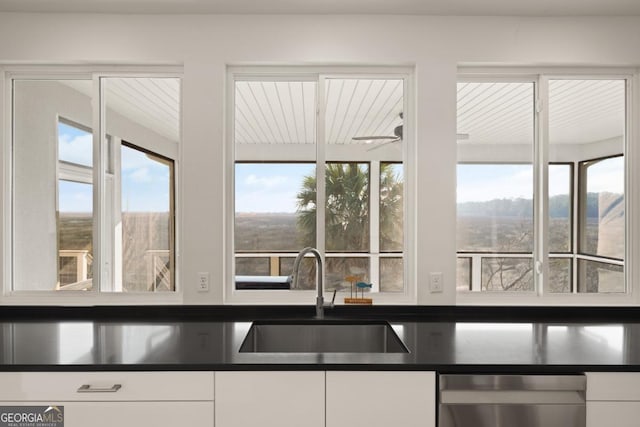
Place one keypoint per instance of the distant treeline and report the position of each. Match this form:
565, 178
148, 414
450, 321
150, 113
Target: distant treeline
559, 206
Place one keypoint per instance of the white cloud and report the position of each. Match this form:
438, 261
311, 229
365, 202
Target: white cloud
260, 201
507, 186
76, 149
265, 182
72, 200
133, 159
559, 180
140, 175
607, 175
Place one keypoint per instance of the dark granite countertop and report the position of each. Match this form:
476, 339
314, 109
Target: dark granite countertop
173, 342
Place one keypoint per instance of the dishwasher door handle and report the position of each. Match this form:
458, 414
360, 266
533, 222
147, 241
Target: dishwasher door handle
522, 397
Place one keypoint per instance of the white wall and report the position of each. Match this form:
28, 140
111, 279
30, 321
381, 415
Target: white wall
37, 106
206, 44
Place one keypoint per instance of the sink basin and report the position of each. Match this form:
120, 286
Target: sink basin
322, 336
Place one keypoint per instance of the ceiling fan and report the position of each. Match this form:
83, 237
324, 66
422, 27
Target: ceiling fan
396, 137
386, 139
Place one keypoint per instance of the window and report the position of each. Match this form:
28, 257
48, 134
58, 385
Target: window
146, 216
287, 139
81, 219
560, 220
580, 159
267, 226
75, 206
601, 234
495, 184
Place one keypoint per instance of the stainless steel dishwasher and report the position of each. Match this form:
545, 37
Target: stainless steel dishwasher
512, 401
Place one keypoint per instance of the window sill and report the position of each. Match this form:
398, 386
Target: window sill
298, 297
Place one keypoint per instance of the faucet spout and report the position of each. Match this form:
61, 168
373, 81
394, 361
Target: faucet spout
320, 304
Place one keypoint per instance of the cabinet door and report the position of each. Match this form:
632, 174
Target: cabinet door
269, 399
132, 414
613, 414
381, 399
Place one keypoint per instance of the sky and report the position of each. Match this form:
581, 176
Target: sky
265, 187
145, 182
488, 182
269, 187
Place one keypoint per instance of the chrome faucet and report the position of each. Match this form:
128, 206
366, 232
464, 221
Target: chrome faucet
320, 304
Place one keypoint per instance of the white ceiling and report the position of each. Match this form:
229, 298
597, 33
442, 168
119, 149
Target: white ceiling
580, 111
409, 7
153, 103
496, 113
284, 112
281, 112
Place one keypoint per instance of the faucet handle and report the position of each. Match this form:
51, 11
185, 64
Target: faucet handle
333, 299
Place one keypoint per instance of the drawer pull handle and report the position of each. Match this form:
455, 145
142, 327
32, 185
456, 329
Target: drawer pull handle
86, 388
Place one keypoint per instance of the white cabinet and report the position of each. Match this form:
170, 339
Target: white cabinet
241, 398
123, 399
270, 399
295, 399
613, 399
381, 399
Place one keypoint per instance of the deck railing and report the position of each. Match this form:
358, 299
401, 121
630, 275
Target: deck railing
158, 270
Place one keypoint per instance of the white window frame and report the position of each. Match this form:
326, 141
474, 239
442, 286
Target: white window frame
541, 77
97, 296
320, 75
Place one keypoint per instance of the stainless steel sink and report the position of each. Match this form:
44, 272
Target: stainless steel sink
322, 336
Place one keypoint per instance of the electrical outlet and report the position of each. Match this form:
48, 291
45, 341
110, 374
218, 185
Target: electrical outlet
203, 282
435, 282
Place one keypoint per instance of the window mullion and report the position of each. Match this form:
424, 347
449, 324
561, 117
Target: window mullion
374, 206
374, 224
541, 186
575, 218
100, 273
115, 215
320, 165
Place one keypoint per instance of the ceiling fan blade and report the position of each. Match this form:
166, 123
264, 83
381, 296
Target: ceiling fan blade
374, 138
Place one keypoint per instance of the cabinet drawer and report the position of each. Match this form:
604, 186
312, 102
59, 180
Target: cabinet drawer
132, 414
613, 386
613, 414
133, 386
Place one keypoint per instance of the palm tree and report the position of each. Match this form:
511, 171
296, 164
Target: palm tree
391, 208
346, 208
347, 212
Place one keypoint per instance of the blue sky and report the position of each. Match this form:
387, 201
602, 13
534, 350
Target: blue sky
145, 182
269, 187
488, 182
74, 145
